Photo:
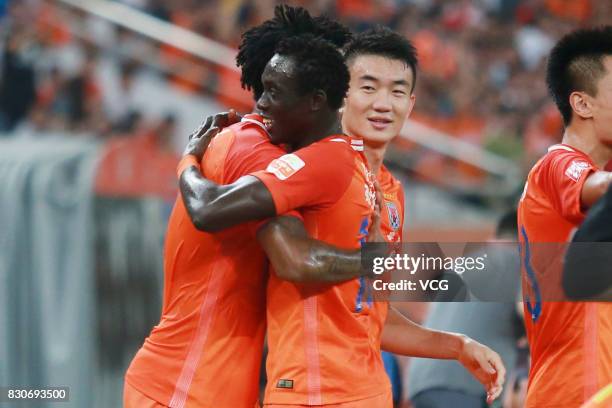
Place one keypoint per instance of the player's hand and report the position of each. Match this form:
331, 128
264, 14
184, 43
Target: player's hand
485, 365
199, 143
220, 120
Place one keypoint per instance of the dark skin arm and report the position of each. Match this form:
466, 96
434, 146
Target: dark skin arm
586, 272
595, 186
294, 255
298, 258
213, 207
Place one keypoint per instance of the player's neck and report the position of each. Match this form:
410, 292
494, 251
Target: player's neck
375, 155
319, 131
582, 137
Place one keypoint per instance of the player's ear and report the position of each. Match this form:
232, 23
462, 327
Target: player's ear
318, 100
581, 104
412, 103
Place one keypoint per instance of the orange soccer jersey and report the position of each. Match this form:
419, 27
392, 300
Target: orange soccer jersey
324, 340
570, 342
603, 399
391, 224
206, 350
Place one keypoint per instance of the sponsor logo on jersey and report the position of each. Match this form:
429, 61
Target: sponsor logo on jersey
285, 166
575, 169
283, 383
394, 216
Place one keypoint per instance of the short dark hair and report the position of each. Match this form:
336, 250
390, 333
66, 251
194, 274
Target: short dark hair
318, 65
576, 64
259, 43
386, 43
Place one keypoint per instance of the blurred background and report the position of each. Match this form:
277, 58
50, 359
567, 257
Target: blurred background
97, 99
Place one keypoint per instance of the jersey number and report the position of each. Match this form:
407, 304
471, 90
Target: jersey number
359, 305
535, 307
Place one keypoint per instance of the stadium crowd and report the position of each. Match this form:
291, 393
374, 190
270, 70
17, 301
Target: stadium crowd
481, 63
491, 53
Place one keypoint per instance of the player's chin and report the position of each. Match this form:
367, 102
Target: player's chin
378, 137
276, 138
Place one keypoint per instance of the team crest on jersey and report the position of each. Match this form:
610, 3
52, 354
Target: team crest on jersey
394, 217
285, 166
575, 169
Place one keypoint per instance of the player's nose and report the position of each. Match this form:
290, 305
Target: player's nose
263, 104
382, 103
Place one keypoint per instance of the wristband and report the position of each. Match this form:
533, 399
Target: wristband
187, 161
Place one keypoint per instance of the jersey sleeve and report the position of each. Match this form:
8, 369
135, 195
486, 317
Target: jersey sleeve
315, 176
245, 158
238, 151
562, 177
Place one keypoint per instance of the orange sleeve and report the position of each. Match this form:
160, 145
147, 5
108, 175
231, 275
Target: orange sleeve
250, 153
235, 152
562, 177
315, 176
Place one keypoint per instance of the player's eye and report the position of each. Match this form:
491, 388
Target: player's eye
368, 88
399, 92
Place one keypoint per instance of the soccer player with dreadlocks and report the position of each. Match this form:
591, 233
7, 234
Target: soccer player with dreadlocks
206, 350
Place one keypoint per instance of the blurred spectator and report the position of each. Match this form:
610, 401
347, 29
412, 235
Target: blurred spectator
17, 84
518, 376
122, 106
481, 64
533, 45
165, 132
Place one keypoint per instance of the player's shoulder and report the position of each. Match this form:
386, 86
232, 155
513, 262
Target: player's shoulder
560, 152
334, 154
242, 148
333, 161
250, 138
560, 157
339, 143
249, 130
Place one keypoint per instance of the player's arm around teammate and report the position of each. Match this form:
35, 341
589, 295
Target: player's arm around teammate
586, 273
295, 256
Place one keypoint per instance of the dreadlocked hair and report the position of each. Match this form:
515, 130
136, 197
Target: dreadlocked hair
259, 43
318, 65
